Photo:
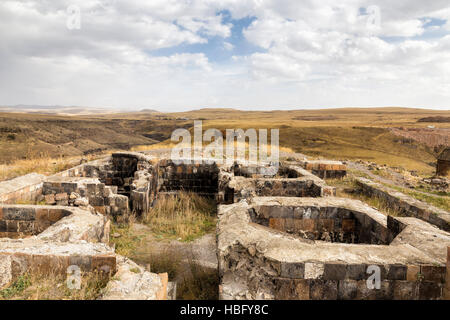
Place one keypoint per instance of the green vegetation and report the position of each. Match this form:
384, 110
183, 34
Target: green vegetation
347, 187
440, 201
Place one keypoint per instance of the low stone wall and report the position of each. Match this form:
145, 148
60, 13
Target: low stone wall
256, 262
18, 221
199, 178
52, 258
327, 223
291, 181
325, 169
69, 236
405, 204
128, 174
132, 282
26, 188
83, 191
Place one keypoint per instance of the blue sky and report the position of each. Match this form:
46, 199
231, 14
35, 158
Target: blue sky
175, 55
215, 48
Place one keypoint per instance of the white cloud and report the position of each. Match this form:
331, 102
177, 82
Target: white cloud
310, 53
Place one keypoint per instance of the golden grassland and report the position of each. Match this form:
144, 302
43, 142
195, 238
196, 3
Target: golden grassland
346, 133
43, 165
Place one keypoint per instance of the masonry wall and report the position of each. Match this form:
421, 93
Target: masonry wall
407, 205
324, 223
103, 198
246, 270
199, 178
18, 222
26, 188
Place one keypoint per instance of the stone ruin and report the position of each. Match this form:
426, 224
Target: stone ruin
282, 236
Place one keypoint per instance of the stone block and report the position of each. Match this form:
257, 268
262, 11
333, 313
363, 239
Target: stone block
83, 262
347, 289
334, 271
61, 196
104, 263
41, 214
50, 199
429, 290
325, 225
314, 270
323, 289
412, 272
433, 273
405, 290
356, 271
293, 270
396, 272
277, 224
55, 215
3, 226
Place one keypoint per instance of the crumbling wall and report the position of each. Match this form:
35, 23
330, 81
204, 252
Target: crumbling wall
26, 188
405, 204
331, 224
18, 221
256, 262
325, 169
83, 192
290, 181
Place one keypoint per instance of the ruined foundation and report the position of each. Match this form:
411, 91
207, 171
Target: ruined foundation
282, 236
291, 248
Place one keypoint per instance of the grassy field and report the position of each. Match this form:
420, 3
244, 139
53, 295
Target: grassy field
347, 133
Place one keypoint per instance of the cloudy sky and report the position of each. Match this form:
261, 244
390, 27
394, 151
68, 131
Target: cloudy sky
249, 54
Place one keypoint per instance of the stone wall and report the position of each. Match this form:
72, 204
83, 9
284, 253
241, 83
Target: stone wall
22, 221
57, 238
325, 223
199, 178
291, 181
26, 188
405, 204
83, 192
325, 169
256, 262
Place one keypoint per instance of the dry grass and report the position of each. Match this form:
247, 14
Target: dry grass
194, 282
347, 187
54, 287
43, 165
161, 145
199, 283
184, 216
127, 243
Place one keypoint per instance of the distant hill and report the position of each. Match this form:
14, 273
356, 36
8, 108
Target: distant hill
62, 110
148, 110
